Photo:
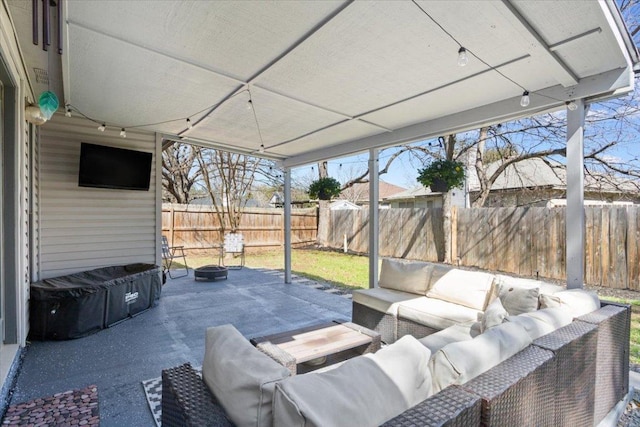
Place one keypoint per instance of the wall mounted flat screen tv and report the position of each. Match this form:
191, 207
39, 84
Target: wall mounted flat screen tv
110, 167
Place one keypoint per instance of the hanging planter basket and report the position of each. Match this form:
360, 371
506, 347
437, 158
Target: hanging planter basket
439, 186
324, 188
442, 175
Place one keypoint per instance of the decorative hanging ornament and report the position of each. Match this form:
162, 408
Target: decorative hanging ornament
48, 103
33, 114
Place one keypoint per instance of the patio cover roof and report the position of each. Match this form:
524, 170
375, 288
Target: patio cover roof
331, 78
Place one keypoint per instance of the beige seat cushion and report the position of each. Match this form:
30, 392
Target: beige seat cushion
468, 288
405, 276
382, 300
455, 333
519, 282
364, 391
462, 361
576, 302
240, 376
435, 313
542, 322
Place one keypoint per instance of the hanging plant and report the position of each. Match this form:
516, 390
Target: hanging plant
324, 188
442, 175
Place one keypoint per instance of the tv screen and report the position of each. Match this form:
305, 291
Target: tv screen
110, 167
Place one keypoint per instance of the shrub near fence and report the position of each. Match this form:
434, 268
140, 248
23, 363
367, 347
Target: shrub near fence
525, 241
197, 227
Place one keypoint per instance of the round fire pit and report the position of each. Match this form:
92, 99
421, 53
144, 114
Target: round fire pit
211, 272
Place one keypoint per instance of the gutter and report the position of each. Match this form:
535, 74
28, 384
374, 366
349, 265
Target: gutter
632, 49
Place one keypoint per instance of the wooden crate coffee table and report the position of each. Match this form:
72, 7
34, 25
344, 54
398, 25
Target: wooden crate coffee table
307, 349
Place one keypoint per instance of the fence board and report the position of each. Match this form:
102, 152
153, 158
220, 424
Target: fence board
198, 227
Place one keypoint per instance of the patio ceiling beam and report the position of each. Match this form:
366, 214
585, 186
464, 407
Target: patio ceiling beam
540, 49
216, 145
599, 86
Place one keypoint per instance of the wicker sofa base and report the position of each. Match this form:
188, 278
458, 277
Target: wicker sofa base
409, 327
382, 323
552, 382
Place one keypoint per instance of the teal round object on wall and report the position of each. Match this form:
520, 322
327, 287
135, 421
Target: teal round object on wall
48, 103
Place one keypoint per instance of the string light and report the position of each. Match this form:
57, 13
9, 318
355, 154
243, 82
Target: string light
123, 133
463, 59
249, 104
525, 100
102, 127
261, 149
571, 105
189, 125
67, 112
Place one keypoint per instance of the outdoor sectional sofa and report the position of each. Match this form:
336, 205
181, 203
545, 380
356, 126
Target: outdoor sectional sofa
540, 367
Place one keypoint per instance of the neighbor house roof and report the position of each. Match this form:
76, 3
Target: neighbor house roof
359, 192
537, 172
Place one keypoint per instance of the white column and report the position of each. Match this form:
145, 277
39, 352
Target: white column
287, 225
575, 220
374, 229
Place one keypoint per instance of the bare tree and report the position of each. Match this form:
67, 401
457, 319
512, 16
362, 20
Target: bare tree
179, 172
227, 178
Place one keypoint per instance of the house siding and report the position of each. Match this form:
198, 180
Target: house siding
86, 228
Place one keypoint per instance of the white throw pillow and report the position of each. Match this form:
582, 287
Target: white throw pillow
410, 277
462, 361
240, 376
577, 302
519, 300
494, 315
467, 288
364, 391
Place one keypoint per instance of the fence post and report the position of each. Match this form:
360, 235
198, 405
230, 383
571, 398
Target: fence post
173, 215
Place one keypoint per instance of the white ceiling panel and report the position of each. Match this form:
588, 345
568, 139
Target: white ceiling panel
315, 67
237, 38
124, 85
346, 131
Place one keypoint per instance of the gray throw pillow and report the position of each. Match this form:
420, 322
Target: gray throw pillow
519, 300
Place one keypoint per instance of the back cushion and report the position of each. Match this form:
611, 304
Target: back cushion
240, 376
364, 391
542, 322
410, 277
577, 302
467, 288
462, 361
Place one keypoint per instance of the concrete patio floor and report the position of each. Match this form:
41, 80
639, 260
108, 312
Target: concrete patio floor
257, 302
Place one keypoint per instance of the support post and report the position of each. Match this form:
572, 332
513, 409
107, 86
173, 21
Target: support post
575, 217
287, 225
374, 229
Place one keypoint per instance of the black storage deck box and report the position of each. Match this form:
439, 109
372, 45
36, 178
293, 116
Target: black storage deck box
80, 304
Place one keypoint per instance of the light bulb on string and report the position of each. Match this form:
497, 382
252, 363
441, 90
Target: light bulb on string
249, 104
67, 111
261, 149
463, 58
102, 127
525, 100
571, 105
189, 125
123, 133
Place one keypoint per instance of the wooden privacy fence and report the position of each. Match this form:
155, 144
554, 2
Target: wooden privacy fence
525, 241
197, 227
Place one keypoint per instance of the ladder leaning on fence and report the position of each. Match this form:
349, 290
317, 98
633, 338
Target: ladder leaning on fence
234, 245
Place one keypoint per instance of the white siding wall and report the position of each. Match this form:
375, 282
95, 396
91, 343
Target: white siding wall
85, 228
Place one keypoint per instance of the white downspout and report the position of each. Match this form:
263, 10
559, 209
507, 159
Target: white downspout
373, 218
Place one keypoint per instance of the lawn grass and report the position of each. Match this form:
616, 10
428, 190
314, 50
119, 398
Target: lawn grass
634, 340
339, 269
